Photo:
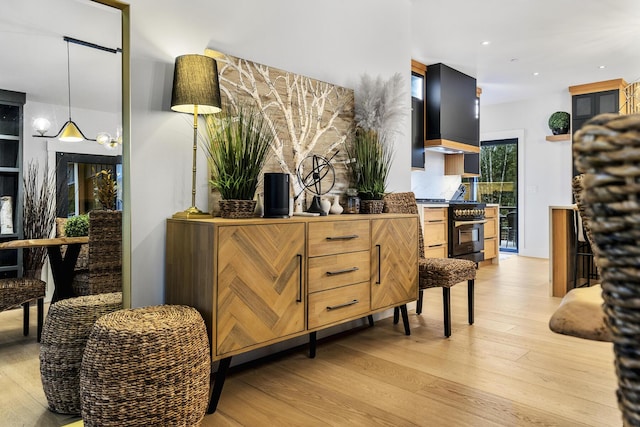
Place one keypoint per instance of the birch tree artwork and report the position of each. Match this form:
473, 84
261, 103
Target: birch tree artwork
308, 116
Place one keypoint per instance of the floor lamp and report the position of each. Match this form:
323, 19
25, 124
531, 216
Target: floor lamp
195, 91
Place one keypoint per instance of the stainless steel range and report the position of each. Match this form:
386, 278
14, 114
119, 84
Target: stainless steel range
466, 230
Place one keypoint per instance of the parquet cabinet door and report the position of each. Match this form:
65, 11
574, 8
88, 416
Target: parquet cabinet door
260, 290
394, 262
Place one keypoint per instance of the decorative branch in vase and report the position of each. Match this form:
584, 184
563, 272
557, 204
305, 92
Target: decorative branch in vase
38, 218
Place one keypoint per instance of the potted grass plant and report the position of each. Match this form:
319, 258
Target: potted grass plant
237, 147
370, 163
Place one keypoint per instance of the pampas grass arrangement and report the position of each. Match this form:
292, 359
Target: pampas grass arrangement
381, 105
380, 108
39, 215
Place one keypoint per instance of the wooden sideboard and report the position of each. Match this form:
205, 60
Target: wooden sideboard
258, 281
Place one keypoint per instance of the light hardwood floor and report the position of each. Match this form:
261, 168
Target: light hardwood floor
507, 369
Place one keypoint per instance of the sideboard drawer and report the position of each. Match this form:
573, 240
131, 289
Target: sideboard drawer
327, 238
332, 271
338, 304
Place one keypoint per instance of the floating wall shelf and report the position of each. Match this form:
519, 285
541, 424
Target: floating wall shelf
563, 137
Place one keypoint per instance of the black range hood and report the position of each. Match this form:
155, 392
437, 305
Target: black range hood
453, 124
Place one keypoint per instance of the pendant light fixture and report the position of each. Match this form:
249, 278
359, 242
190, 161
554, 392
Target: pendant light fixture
70, 132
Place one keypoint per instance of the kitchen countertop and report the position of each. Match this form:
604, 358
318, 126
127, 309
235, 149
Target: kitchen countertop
434, 204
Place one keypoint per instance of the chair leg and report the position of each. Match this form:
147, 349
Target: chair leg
419, 303
40, 316
405, 319
25, 317
396, 315
470, 299
446, 300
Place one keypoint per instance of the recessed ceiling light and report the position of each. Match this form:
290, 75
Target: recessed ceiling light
485, 43
536, 73
602, 66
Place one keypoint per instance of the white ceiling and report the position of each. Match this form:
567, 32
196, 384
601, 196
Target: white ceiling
34, 54
563, 40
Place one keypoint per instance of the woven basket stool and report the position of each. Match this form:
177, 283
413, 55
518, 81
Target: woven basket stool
65, 333
146, 366
607, 151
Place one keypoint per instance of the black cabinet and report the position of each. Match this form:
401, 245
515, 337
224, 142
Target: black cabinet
11, 105
452, 108
588, 105
471, 165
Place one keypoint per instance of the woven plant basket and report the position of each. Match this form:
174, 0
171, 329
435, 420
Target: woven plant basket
607, 151
371, 206
237, 208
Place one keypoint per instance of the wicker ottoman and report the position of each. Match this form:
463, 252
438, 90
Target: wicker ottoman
146, 366
66, 330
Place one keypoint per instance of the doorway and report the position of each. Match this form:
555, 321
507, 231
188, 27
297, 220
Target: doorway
498, 183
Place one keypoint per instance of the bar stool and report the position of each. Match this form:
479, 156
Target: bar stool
582, 241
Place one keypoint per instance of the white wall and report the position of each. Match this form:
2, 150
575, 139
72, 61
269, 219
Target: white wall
333, 40
545, 167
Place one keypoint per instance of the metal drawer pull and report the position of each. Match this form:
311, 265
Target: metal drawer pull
348, 237
346, 304
346, 270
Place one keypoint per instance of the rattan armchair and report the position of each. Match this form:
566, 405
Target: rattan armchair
104, 272
22, 291
607, 151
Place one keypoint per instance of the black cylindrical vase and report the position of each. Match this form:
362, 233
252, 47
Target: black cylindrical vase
276, 195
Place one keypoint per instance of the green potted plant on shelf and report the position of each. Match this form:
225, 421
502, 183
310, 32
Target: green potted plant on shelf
559, 122
237, 147
370, 161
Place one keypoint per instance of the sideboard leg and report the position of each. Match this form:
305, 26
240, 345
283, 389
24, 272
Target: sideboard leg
396, 315
405, 319
370, 318
312, 345
217, 383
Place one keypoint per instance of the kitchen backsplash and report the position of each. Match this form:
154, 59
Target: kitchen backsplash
432, 183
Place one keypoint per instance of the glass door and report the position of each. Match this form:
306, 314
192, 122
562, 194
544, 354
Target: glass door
498, 183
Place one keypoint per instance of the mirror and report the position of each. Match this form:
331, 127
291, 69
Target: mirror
66, 79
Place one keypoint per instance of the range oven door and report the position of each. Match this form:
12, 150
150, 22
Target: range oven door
467, 240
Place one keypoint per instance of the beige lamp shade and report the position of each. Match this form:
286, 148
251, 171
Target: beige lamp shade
195, 84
